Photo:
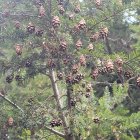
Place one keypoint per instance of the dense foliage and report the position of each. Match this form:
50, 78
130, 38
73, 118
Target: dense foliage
69, 70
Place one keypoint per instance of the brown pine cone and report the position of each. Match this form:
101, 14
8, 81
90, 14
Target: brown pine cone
56, 22
98, 3
10, 121
119, 62
102, 70
63, 45
69, 79
109, 66
60, 76
94, 74
51, 63
41, 11
61, 9
88, 88
30, 28
82, 60
90, 47
82, 24
138, 81
77, 9
87, 95
71, 16
79, 44
17, 24
103, 32
75, 69
119, 70
94, 37
18, 49
73, 102
128, 74
39, 32
75, 29
96, 120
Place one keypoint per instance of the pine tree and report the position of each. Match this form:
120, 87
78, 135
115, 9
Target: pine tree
62, 73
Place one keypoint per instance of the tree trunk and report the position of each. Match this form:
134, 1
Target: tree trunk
70, 137
108, 45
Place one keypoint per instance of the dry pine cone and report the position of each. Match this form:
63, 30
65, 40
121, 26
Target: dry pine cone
41, 11
18, 49
56, 22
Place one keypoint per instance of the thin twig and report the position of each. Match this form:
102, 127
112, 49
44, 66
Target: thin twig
9, 101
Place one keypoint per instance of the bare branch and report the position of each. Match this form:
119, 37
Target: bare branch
9, 101
55, 132
57, 97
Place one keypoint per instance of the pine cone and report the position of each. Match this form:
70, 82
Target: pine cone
56, 22
102, 70
51, 63
103, 32
41, 11
90, 47
9, 78
94, 37
82, 24
98, 3
53, 123
63, 46
69, 79
77, 9
18, 49
71, 16
96, 120
119, 70
60, 76
119, 62
39, 32
79, 44
88, 88
82, 60
138, 81
30, 28
18, 78
28, 63
72, 102
75, 69
17, 24
10, 121
109, 66
95, 73
87, 95
75, 29
128, 74
80, 76
61, 9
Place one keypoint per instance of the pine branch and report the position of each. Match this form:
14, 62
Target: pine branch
55, 132
9, 101
48, 128
105, 19
57, 97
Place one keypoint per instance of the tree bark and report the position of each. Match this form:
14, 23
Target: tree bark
108, 45
59, 104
